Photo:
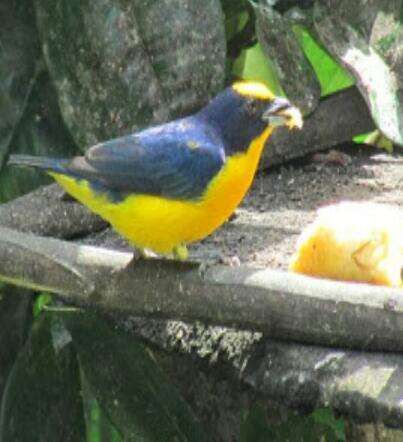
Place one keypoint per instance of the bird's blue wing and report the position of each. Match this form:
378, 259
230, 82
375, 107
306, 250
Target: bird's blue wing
176, 160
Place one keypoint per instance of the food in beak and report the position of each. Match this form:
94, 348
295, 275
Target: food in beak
282, 113
293, 117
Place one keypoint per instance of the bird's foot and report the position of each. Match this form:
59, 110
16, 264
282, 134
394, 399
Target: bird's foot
181, 252
147, 253
139, 253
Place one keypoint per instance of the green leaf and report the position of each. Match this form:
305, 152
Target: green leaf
129, 385
234, 7
375, 139
40, 302
325, 417
119, 66
236, 16
254, 426
367, 37
297, 78
15, 319
41, 131
99, 426
235, 24
319, 426
42, 399
239, 30
19, 55
253, 64
331, 75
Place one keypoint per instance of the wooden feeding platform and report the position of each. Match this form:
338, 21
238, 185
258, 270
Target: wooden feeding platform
300, 341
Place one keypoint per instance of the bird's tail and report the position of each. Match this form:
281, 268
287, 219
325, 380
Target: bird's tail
44, 163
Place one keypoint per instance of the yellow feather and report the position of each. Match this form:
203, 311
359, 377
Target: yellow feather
253, 90
162, 224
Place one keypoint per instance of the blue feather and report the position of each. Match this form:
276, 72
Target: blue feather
176, 160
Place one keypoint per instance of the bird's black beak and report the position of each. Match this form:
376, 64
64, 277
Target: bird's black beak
282, 113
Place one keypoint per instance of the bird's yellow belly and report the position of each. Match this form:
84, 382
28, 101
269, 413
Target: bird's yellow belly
162, 224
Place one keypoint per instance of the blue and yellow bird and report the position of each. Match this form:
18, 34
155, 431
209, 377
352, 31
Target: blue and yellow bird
173, 184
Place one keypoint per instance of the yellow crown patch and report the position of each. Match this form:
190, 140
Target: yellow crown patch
253, 89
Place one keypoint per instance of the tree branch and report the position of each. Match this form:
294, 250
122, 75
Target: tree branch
283, 305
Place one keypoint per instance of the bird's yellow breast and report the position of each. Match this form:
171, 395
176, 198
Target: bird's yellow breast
161, 224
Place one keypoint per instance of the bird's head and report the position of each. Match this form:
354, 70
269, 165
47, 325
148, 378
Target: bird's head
244, 111
258, 102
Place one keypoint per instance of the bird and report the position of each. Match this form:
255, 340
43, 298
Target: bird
173, 184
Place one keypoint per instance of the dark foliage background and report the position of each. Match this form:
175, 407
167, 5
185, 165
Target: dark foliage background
73, 73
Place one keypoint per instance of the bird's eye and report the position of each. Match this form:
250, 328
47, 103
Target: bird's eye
251, 107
